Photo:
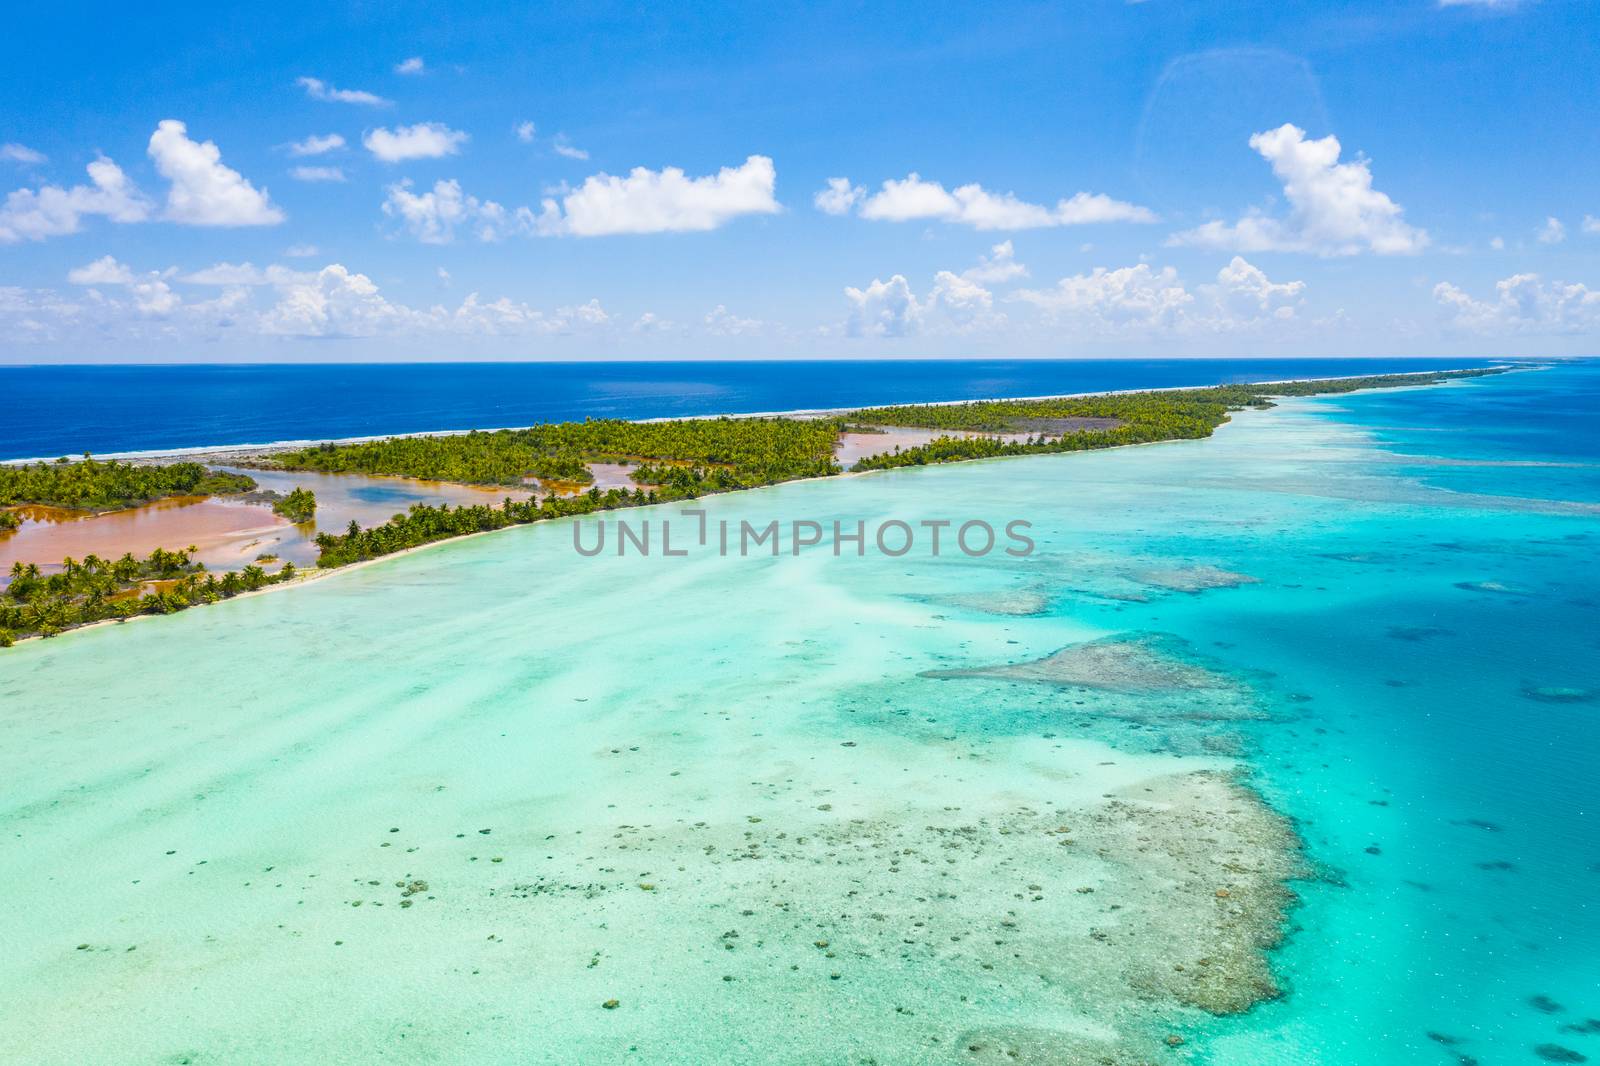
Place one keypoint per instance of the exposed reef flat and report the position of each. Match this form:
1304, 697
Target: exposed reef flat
1015, 603
1193, 578
1095, 576
1150, 675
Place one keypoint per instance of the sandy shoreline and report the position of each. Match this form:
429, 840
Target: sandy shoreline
310, 574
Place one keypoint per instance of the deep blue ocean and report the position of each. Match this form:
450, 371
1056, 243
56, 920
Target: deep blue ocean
61, 410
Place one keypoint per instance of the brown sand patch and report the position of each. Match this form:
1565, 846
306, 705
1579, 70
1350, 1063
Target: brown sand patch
1162, 674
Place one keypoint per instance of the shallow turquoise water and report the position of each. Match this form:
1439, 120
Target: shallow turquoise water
213, 790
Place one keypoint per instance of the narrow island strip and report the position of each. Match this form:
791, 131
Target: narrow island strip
669, 460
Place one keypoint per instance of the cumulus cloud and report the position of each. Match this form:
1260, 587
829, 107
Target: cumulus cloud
50, 211
269, 301
318, 89
425, 140
1334, 208
1246, 292
838, 197
317, 173
1591, 225
13, 152
999, 266
1134, 296
1142, 299
333, 302
958, 303
720, 322
883, 309
203, 191
433, 217
301, 251
245, 274
151, 294
1552, 232
912, 199
103, 271
661, 201
1523, 303
562, 147
650, 322
507, 316
414, 65
317, 144
967, 303
524, 132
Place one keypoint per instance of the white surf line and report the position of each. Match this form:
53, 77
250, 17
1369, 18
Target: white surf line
202, 451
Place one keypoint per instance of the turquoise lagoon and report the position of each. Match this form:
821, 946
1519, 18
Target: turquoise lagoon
446, 807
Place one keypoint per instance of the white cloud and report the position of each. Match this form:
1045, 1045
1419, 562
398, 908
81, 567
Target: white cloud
317, 144
524, 132
1000, 266
103, 271
956, 303
301, 251
661, 201
333, 302
912, 199
203, 191
432, 217
1523, 303
414, 65
1142, 299
245, 274
1135, 296
271, 301
883, 309
1334, 208
1552, 232
51, 211
650, 322
1591, 225
1501, 5
720, 322
505, 316
13, 152
317, 173
318, 89
152, 296
1245, 292
967, 303
425, 140
838, 197
562, 147
1497, 243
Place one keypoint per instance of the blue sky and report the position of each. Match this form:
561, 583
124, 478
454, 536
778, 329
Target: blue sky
342, 182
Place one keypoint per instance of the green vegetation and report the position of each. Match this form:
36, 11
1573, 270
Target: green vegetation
423, 524
299, 506
1142, 417
92, 485
9, 521
679, 459
95, 589
698, 454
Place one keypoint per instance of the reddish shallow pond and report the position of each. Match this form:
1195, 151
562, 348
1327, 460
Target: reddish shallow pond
229, 534
224, 532
853, 447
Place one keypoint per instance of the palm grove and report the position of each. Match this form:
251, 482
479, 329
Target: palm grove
678, 460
